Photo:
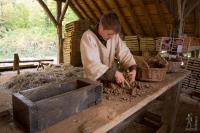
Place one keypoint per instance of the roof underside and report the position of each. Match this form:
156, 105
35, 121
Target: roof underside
141, 17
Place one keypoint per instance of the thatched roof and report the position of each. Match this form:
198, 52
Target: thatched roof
141, 17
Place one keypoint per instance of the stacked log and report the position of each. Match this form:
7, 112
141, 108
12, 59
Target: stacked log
72, 37
147, 44
158, 43
132, 43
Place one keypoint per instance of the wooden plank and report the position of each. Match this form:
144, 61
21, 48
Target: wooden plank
90, 10
80, 16
124, 23
10, 68
83, 10
117, 6
136, 24
77, 10
148, 19
95, 4
161, 17
106, 5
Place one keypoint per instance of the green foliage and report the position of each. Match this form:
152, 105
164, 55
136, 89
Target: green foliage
26, 29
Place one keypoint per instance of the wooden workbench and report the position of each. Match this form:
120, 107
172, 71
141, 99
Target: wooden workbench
109, 113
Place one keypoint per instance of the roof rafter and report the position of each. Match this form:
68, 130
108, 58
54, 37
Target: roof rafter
90, 10
191, 7
161, 17
76, 10
82, 10
122, 18
108, 8
97, 7
136, 24
147, 16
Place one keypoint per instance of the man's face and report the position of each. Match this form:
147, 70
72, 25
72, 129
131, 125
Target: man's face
106, 34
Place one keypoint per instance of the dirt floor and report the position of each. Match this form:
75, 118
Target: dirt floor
5, 106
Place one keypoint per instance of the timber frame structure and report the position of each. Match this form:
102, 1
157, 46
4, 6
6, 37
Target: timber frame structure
152, 18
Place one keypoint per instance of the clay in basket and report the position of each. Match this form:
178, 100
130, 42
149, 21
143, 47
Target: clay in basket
151, 69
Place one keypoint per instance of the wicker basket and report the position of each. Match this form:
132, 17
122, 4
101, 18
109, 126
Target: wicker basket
173, 66
145, 73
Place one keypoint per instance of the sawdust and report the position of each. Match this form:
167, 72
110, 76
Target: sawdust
49, 74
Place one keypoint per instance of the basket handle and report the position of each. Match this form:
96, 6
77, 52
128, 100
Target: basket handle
166, 62
145, 63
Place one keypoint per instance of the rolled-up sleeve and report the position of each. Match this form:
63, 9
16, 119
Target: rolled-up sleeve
123, 53
92, 65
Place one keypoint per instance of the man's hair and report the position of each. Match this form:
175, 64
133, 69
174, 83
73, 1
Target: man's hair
110, 21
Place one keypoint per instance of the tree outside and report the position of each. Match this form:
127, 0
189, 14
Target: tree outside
26, 29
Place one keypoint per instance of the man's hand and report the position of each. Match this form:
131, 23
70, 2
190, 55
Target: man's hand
119, 77
132, 76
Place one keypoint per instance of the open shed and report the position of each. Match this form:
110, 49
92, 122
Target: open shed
59, 99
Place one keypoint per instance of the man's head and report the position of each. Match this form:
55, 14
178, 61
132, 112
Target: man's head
109, 25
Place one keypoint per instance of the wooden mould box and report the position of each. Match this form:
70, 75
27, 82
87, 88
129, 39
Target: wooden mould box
41, 107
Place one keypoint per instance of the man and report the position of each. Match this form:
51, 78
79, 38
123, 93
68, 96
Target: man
100, 45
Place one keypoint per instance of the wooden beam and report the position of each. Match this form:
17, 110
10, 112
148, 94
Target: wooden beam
180, 17
64, 11
91, 11
136, 24
161, 17
48, 12
80, 16
60, 58
181, 8
191, 8
171, 6
148, 18
58, 10
77, 10
122, 18
83, 11
97, 6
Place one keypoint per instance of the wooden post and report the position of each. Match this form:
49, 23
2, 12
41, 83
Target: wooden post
58, 24
196, 53
171, 108
193, 54
181, 9
59, 32
16, 63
